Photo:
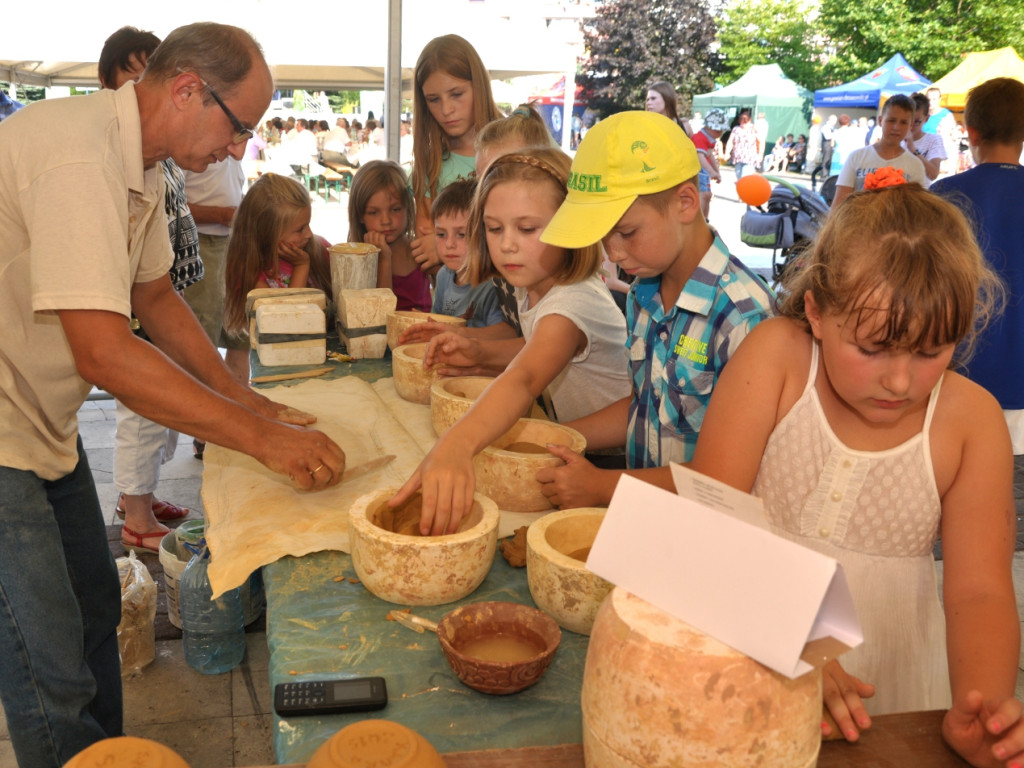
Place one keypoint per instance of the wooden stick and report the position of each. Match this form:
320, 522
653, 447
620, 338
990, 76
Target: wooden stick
286, 376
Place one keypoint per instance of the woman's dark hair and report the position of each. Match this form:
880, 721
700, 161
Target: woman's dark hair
119, 49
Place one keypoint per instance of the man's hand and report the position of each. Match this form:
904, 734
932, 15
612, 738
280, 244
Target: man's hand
310, 459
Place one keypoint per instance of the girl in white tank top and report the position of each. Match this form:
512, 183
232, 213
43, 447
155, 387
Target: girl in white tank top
843, 416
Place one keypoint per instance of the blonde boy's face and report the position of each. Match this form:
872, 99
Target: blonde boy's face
646, 241
450, 232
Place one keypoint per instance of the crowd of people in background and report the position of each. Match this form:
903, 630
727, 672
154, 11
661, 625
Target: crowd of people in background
300, 141
831, 139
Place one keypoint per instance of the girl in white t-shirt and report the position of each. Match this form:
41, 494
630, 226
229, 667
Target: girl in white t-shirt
575, 334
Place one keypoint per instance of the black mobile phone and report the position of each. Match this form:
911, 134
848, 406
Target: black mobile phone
328, 697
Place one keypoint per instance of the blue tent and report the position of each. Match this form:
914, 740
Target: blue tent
895, 76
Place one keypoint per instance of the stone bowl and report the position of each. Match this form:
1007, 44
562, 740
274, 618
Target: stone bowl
412, 380
530, 636
401, 566
557, 546
451, 398
506, 469
400, 319
378, 743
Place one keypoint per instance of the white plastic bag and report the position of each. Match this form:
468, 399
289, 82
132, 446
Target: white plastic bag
136, 635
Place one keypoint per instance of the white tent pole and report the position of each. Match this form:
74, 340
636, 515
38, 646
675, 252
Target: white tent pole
393, 81
568, 103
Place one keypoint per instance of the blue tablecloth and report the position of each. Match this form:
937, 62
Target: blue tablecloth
320, 624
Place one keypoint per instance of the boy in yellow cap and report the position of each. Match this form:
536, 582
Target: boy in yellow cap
634, 186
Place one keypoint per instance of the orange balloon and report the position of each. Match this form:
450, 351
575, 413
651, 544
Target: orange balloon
754, 189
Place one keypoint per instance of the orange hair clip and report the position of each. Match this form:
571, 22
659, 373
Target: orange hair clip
886, 176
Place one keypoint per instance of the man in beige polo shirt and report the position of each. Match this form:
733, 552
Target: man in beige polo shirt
83, 244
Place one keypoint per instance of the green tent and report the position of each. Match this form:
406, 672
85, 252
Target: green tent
764, 88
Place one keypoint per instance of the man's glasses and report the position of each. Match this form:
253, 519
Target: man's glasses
243, 134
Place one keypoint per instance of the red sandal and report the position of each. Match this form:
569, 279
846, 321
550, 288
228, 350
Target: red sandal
142, 543
164, 511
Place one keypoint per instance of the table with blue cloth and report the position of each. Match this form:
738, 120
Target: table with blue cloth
323, 623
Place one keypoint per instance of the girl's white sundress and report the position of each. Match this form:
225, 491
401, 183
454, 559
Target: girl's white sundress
878, 514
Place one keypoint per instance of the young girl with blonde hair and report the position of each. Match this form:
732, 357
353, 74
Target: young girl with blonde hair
575, 335
523, 128
451, 101
380, 212
845, 418
271, 246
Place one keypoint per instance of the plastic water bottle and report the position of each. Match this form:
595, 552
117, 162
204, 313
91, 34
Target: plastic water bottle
213, 631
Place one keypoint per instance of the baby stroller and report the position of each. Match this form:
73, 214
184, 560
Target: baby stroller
787, 224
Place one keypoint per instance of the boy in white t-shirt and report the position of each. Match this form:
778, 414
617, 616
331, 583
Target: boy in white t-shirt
896, 121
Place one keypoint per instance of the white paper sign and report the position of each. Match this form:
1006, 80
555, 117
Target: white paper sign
763, 595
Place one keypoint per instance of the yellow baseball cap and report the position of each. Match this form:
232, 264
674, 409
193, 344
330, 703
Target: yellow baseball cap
622, 157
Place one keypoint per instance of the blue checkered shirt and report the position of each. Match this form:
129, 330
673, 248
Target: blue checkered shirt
676, 357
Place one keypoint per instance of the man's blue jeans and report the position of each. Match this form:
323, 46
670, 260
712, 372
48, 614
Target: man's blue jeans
60, 604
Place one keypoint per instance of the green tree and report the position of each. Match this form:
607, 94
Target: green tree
634, 42
780, 32
931, 34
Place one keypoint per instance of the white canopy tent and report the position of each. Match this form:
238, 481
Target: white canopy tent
340, 45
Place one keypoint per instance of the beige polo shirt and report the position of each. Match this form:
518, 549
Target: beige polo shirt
80, 222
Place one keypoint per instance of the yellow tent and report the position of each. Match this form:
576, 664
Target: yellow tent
976, 68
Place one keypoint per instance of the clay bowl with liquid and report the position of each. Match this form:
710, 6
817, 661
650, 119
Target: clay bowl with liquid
400, 319
497, 647
396, 563
412, 380
557, 546
506, 470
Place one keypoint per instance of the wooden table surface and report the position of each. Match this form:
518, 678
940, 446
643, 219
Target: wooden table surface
894, 741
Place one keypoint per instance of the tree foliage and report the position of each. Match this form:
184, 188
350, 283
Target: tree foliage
780, 32
828, 42
931, 34
632, 43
